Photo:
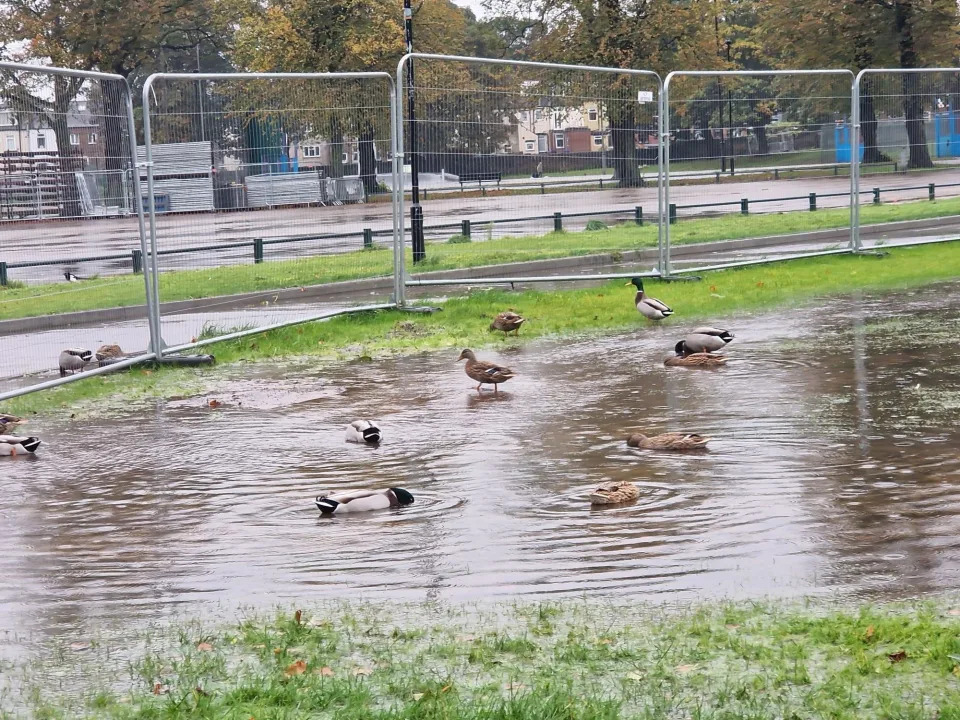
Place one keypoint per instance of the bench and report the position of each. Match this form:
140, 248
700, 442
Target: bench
480, 178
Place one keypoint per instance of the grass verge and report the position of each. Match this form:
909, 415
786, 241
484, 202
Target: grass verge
463, 322
570, 661
127, 290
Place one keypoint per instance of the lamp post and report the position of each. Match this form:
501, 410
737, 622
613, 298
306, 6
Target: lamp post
416, 212
730, 112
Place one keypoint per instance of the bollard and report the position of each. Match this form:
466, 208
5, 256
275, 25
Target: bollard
367, 239
3, 273
673, 213
932, 191
733, 169
465, 228
136, 257
601, 183
557, 222
876, 196
638, 215
543, 190
776, 173
813, 202
258, 250
744, 206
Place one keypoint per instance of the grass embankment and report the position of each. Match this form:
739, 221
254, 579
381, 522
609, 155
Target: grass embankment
570, 661
122, 291
464, 322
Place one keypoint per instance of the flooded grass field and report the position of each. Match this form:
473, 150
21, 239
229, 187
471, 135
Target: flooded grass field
834, 470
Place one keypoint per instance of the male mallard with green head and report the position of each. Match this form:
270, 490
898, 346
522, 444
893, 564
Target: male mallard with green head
508, 321
485, 373
649, 307
705, 340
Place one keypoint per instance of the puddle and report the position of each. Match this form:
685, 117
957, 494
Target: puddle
834, 469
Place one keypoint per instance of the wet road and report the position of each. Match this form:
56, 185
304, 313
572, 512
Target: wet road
834, 469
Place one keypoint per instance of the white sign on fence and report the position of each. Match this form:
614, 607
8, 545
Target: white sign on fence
644, 96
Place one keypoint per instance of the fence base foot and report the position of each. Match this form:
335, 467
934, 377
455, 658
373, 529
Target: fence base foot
680, 278
185, 360
422, 309
872, 253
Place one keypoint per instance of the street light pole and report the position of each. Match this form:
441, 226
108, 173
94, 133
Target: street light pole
416, 212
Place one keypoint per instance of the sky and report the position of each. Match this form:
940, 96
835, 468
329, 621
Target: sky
476, 7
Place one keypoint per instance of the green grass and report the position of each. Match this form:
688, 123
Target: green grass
562, 661
463, 322
121, 291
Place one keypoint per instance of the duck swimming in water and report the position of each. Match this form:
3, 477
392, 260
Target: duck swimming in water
8, 423
363, 431
18, 445
614, 493
705, 340
363, 500
668, 441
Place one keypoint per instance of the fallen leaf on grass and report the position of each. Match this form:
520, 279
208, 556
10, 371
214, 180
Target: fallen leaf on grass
514, 686
869, 633
683, 669
362, 671
464, 638
200, 691
297, 615
325, 671
159, 689
79, 646
317, 622
417, 696
297, 668
731, 627
204, 647
953, 611
898, 656
261, 646
638, 676
214, 403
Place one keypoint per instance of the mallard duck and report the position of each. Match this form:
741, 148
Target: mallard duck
363, 431
485, 373
73, 359
703, 360
107, 354
614, 493
18, 445
508, 321
70, 277
363, 500
649, 307
705, 339
668, 441
8, 422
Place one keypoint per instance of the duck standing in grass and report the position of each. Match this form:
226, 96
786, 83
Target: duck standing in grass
705, 340
18, 445
668, 441
649, 307
363, 500
8, 423
363, 431
485, 373
508, 321
74, 359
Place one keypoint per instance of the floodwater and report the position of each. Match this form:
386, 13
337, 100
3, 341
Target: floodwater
834, 469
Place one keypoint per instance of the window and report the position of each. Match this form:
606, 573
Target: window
92, 139
557, 121
74, 139
41, 142
344, 158
537, 114
558, 138
598, 140
592, 114
311, 151
529, 145
11, 144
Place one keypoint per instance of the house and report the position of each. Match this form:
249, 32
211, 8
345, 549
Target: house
548, 129
22, 132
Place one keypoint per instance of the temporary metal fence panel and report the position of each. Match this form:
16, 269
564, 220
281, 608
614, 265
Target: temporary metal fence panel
908, 130
742, 143
72, 248
546, 171
297, 170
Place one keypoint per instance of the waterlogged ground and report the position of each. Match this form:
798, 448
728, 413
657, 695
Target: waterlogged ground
834, 470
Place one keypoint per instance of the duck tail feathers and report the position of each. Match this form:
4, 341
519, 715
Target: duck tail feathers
326, 505
31, 444
372, 435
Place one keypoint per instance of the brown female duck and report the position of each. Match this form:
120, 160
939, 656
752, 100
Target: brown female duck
668, 441
614, 493
485, 373
508, 321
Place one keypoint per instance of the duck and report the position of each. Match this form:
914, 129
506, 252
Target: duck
18, 445
508, 321
485, 373
705, 340
107, 354
363, 431
8, 422
668, 441
704, 360
73, 359
614, 493
70, 277
649, 307
363, 500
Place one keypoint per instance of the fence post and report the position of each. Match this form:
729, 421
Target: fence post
136, 257
258, 250
465, 228
3, 273
813, 202
638, 215
558, 222
932, 191
367, 240
543, 190
744, 206
876, 196
673, 213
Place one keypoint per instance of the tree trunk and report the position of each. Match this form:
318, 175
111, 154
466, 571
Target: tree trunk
336, 147
115, 145
623, 138
763, 146
368, 159
69, 162
912, 100
868, 126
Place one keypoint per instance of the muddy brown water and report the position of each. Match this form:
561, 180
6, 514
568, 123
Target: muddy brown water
834, 469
